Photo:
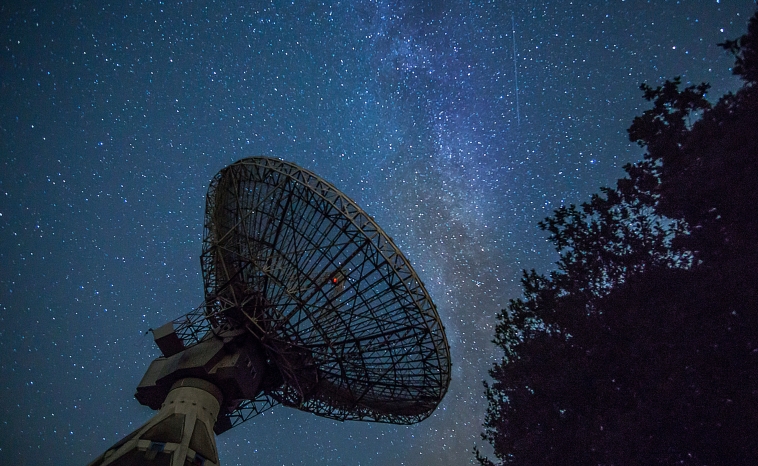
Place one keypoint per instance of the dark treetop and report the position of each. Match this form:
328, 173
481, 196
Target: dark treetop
642, 348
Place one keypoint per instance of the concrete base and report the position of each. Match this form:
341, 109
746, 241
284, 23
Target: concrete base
180, 433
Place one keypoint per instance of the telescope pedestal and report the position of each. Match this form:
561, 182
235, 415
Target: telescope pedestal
180, 433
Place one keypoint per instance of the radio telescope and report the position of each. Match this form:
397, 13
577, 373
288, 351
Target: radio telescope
308, 304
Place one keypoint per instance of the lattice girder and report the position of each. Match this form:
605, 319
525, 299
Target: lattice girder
339, 309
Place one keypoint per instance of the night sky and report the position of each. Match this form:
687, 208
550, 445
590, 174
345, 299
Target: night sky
114, 118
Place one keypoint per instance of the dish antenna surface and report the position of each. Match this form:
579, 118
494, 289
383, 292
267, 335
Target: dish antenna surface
308, 304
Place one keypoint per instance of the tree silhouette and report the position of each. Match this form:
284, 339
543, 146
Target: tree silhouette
642, 347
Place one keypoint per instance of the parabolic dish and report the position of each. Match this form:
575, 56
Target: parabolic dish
337, 308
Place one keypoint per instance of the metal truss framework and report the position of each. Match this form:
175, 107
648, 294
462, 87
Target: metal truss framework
338, 309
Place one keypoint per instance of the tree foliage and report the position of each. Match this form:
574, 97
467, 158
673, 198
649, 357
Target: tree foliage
642, 347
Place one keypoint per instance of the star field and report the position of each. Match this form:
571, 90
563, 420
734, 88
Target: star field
457, 126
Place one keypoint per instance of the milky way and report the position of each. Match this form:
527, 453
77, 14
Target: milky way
457, 126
